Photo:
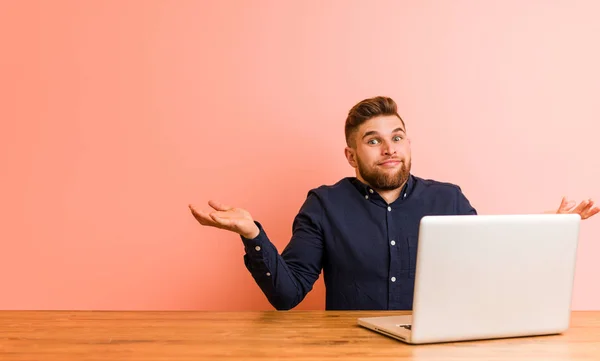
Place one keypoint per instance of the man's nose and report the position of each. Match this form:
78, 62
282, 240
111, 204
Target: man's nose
388, 148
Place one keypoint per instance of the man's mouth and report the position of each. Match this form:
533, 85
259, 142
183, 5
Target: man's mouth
390, 162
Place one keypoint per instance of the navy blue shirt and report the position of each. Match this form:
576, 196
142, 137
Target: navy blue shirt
365, 247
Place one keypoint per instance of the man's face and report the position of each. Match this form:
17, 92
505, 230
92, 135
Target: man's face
381, 153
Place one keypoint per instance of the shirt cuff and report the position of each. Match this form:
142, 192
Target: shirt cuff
259, 254
256, 244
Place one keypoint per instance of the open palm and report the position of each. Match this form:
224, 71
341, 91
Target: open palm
233, 219
585, 209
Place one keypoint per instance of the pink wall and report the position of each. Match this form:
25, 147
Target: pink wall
117, 114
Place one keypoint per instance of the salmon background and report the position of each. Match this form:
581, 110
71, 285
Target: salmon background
117, 114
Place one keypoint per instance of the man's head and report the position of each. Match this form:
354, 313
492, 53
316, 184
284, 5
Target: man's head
377, 144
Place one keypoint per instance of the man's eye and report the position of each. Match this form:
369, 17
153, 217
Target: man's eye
397, 138
373, 141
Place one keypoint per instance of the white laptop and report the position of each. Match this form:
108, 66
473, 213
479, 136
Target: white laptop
489, 276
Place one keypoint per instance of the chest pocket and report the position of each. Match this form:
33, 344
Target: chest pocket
412, 242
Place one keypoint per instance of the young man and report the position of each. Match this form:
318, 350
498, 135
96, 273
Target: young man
362, 231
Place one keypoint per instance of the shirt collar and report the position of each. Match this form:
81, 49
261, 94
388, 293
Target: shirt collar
366, 190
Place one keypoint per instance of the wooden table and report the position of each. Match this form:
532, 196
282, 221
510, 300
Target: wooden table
271, 335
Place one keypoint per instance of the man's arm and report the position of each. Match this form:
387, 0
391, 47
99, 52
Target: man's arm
287, 278
585, 209
463, 206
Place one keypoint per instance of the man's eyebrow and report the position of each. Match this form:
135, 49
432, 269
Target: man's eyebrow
374, 132
371, 132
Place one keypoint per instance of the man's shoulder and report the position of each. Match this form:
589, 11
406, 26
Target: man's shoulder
432, 185
431, 189
328, 195
341, 186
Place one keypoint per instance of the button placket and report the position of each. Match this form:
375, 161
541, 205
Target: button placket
395, 254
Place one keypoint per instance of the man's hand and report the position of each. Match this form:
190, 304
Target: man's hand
585, 209
232, 219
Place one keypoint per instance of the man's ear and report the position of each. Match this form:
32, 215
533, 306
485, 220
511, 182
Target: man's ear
351, 156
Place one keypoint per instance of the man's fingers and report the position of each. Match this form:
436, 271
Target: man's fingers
202, 217
566, 205
580, 207
569, 206
219, 206
222, 220
591, 212
563, 203
589, 205
585, 209
193, 210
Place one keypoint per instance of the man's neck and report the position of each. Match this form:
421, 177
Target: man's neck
391, 195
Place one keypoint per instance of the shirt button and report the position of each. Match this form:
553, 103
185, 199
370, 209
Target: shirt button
393, 243
367, 196
393, 279
371, 191
389, 209
257, 248
268, 274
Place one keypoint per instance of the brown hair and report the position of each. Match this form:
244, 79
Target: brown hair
367, 109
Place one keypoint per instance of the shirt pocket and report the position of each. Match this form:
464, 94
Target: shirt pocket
413, 244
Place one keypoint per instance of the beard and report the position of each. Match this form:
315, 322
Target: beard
382, 180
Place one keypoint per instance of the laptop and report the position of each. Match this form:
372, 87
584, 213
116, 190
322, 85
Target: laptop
488, 276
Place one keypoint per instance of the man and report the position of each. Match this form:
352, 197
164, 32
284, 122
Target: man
362, 231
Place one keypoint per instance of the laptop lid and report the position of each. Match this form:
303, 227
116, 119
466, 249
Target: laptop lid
489, 276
